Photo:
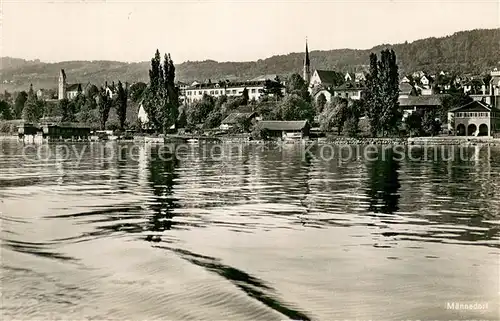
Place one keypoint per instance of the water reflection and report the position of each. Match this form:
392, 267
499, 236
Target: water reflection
383, 182
162, 176
262, 221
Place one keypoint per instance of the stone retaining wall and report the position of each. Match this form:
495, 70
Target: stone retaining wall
365, 141
454, 141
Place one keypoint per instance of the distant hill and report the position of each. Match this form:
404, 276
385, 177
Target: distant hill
467, 52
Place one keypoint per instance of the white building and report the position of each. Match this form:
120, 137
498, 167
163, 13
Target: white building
195, 92
142, 115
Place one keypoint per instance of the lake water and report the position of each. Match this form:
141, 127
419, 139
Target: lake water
242, 232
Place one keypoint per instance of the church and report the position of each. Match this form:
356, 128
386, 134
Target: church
67, 91
331, 83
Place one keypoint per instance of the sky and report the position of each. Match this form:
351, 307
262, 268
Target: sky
221, 30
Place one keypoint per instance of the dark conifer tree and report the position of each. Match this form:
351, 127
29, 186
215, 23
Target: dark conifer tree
104, 103
121, 104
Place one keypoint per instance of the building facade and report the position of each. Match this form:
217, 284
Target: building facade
475, 119
230, 89
286, 130
67, 91
62, 85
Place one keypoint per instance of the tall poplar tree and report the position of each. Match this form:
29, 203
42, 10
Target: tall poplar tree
121, 104
372, 97
381, 100
390, 117
104, 103
161, 98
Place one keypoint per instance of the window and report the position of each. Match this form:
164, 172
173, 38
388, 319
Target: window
253, 91
261, 90
200, 92
216, 92
234, 91
211, 92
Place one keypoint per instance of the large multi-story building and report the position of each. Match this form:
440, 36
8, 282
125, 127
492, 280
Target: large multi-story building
195, 92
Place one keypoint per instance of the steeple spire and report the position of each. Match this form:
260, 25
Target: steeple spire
307, 66
306, 59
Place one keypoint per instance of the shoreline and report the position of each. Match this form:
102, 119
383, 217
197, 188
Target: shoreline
414, 141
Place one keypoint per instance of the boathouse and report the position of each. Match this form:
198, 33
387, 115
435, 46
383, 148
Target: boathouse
475, 119
233, 119
52, 131
27, 129
286, 129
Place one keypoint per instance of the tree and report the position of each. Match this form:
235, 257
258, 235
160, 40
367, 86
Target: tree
351, 126
151, 95
372, 97
383, 93
104, 104
88, 113
260, 133
413, 124
5, 110
296, 85
121, 105
161, 98
454, 98
320, 103
198, 112
389, 94
33, 109
7, 96
171, 109
92, 91
430, 123
78, 102
19, 103
294, 107
66, 108
334, 115
136, 90
273, 88
354, 112
155, 73
245, 96
213, 119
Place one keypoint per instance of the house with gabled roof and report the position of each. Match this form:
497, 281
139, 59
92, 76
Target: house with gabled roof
406, 80
349, 76
405, 90
359, 77
73, 90
413, 104
285, 130
418, 74
325, 79
235, 118
475, 119
426, 81
349, 90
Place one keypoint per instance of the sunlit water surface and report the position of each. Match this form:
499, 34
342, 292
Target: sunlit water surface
125, 232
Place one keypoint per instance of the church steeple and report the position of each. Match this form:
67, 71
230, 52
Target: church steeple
62, 85
307, 66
